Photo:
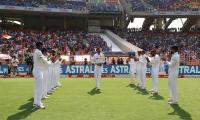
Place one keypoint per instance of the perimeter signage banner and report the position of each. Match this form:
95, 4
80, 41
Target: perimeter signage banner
89, 69
3, 69
189, 70
107, 69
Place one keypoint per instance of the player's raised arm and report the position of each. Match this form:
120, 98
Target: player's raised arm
174, 60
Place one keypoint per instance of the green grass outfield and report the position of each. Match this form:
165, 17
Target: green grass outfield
117, 101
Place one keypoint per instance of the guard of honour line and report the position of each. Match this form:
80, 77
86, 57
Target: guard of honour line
47, 65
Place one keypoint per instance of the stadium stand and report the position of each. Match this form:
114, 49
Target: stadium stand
96, 6
164, 5
75, 5
137, 5
22, 3
70, 4
78, 43
103, 7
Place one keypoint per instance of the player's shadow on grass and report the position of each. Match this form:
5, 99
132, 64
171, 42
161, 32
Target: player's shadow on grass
184, 115
156, 97
25, 110
141, 91
94, 92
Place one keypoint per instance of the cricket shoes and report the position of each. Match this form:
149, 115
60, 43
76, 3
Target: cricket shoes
172, 103
34, 105
144, 89
45, 97
53, 90
55, 87
132, 84
154, 93
140, 87
151, 90
59, 85
97, 89
169, 100
39, 106
49, 92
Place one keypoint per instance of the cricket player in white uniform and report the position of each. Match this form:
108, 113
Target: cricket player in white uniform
98, 60
142, 72
46, 75
173, 74
132, 64
50, 71
54, 76
138, 69
155, 62
57, 67
39, 63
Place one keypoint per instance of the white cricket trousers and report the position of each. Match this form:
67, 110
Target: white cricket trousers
154, 75
142, 77
172, 79
58, 76
49, 83
132, 75
138, 67
45, 83
38, 76
97, 74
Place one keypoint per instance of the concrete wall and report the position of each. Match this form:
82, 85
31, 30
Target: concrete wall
121, 43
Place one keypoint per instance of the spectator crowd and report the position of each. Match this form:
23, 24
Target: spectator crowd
77, 5
22, 42
74, 5
164, 5
189, 43
103, 7
22, 3
137, 5
96, 6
